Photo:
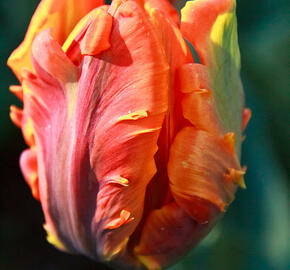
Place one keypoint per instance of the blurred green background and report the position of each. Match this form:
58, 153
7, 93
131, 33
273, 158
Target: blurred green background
254, 235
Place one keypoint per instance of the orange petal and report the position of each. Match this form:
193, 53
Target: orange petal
58, 15
198, 105
197, 167
176, 49
193, 77
177, 53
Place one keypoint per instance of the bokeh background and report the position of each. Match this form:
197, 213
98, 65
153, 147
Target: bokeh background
254, 235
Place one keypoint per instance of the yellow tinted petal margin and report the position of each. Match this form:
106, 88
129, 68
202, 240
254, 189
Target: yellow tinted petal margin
53, 240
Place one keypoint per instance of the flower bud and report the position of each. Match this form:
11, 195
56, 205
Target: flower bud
133, 147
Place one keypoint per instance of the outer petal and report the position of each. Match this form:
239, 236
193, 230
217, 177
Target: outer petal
132, 102
210, 25
47, 96
58, 15
200, 171
203, 167
96, 132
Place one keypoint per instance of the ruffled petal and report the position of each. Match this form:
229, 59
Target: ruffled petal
210, 25
120, 103
58, 15
96, 128
49, 100
132, 87
203, 171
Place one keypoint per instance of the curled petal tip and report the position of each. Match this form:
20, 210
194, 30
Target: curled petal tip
118, 180
236, 176
123, 219
134, 115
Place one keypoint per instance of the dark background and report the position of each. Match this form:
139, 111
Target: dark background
254, 235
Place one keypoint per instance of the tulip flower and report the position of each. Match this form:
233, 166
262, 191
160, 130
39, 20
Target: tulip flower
134, 147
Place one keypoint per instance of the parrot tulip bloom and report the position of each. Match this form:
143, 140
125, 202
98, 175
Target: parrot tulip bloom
133, 148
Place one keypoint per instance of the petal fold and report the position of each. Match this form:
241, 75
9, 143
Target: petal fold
90, 37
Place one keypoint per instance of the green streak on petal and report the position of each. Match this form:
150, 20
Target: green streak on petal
224, 74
